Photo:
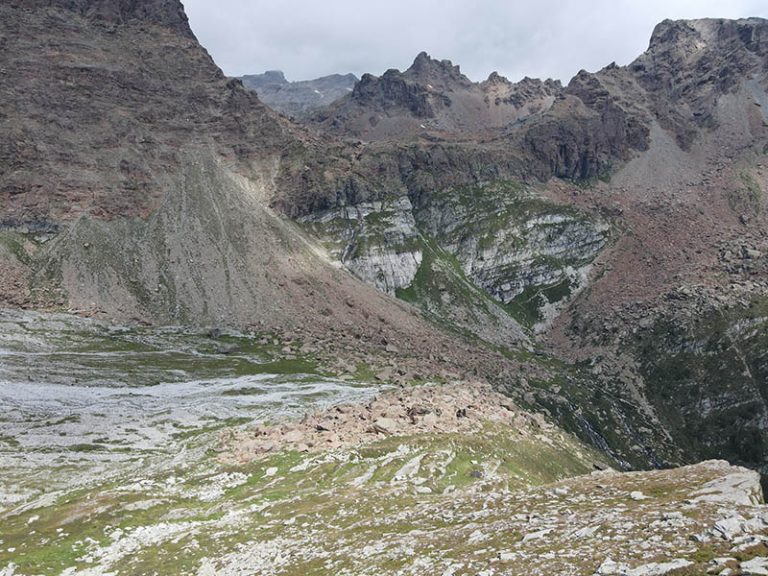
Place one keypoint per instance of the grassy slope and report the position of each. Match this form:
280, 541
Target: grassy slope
285, 494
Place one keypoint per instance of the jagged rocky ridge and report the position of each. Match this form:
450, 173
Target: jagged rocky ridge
433, 97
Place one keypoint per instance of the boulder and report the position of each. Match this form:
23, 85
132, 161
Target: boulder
385, 426
755, 567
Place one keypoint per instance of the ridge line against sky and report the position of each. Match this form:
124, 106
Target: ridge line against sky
543, 39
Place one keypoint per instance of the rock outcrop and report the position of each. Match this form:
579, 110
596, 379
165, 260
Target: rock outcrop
478, 248
377, 241
691, 64
518, 247
446, 409
434, 99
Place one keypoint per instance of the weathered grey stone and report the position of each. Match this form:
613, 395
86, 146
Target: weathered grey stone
729, 528
385, 426
611, 568
536, 535
741, 486
376, 241
755, 567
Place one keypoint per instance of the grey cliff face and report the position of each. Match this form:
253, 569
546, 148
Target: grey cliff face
689, 65
376, 241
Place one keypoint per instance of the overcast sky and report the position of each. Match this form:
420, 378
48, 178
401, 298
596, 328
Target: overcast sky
537, 38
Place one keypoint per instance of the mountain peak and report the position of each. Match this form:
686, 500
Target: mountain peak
429, 70
422, 59
496, 78
167, 13
707, 55
695, 35
268, 78
275, 76
300, 98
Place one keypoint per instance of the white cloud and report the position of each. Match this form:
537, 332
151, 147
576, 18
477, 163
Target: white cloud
546, 38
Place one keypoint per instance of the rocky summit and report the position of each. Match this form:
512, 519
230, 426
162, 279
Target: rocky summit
406, 324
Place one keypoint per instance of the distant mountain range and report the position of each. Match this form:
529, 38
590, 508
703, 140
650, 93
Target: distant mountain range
298, 98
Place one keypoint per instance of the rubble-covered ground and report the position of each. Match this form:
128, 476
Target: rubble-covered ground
432, 479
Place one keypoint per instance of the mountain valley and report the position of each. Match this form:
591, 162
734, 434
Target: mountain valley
406, 324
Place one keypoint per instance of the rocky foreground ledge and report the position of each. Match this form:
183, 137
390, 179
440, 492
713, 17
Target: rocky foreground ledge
439, 480
461, 408
704, 519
